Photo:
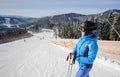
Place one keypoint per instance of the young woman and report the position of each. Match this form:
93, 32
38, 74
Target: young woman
86, 49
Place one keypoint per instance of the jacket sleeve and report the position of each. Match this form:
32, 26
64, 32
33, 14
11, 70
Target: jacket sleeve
93, 49
75, 50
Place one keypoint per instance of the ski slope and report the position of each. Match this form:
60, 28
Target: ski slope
38, 57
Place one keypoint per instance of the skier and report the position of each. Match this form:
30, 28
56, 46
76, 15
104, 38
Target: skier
86, 49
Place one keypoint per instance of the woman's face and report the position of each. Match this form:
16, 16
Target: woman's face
83, 33
82, 30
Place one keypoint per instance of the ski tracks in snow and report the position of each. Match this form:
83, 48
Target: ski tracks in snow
39, 58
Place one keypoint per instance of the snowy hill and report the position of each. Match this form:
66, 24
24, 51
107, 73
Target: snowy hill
38, 57
70, 17
15, 21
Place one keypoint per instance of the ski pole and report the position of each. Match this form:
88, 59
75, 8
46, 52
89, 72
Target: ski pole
71, 57
69, 71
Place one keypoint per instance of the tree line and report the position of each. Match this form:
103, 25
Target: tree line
108, 28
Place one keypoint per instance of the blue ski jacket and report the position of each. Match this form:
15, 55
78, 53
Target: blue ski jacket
80, 49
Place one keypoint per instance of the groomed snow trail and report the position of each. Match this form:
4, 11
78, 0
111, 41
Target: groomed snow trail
38, 57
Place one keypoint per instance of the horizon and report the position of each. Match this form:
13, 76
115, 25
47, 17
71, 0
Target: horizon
43, 8
57, 14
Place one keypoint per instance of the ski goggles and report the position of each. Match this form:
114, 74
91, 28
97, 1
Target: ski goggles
82, 29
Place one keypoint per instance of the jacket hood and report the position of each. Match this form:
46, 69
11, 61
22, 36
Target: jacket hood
91, 37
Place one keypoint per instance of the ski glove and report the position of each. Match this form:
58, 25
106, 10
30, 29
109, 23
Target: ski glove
72, 57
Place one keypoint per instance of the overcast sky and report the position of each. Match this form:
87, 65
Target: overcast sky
40, 8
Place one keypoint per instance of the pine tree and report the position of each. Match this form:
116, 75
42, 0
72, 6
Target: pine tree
114, 21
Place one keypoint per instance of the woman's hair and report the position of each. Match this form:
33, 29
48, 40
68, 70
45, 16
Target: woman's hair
89, 27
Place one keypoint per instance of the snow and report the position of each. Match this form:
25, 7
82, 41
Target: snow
7, 20
38, 57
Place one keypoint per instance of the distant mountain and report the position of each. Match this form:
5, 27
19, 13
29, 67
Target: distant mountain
99, 15
63, 18
11, 20
8, 20
113, 11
